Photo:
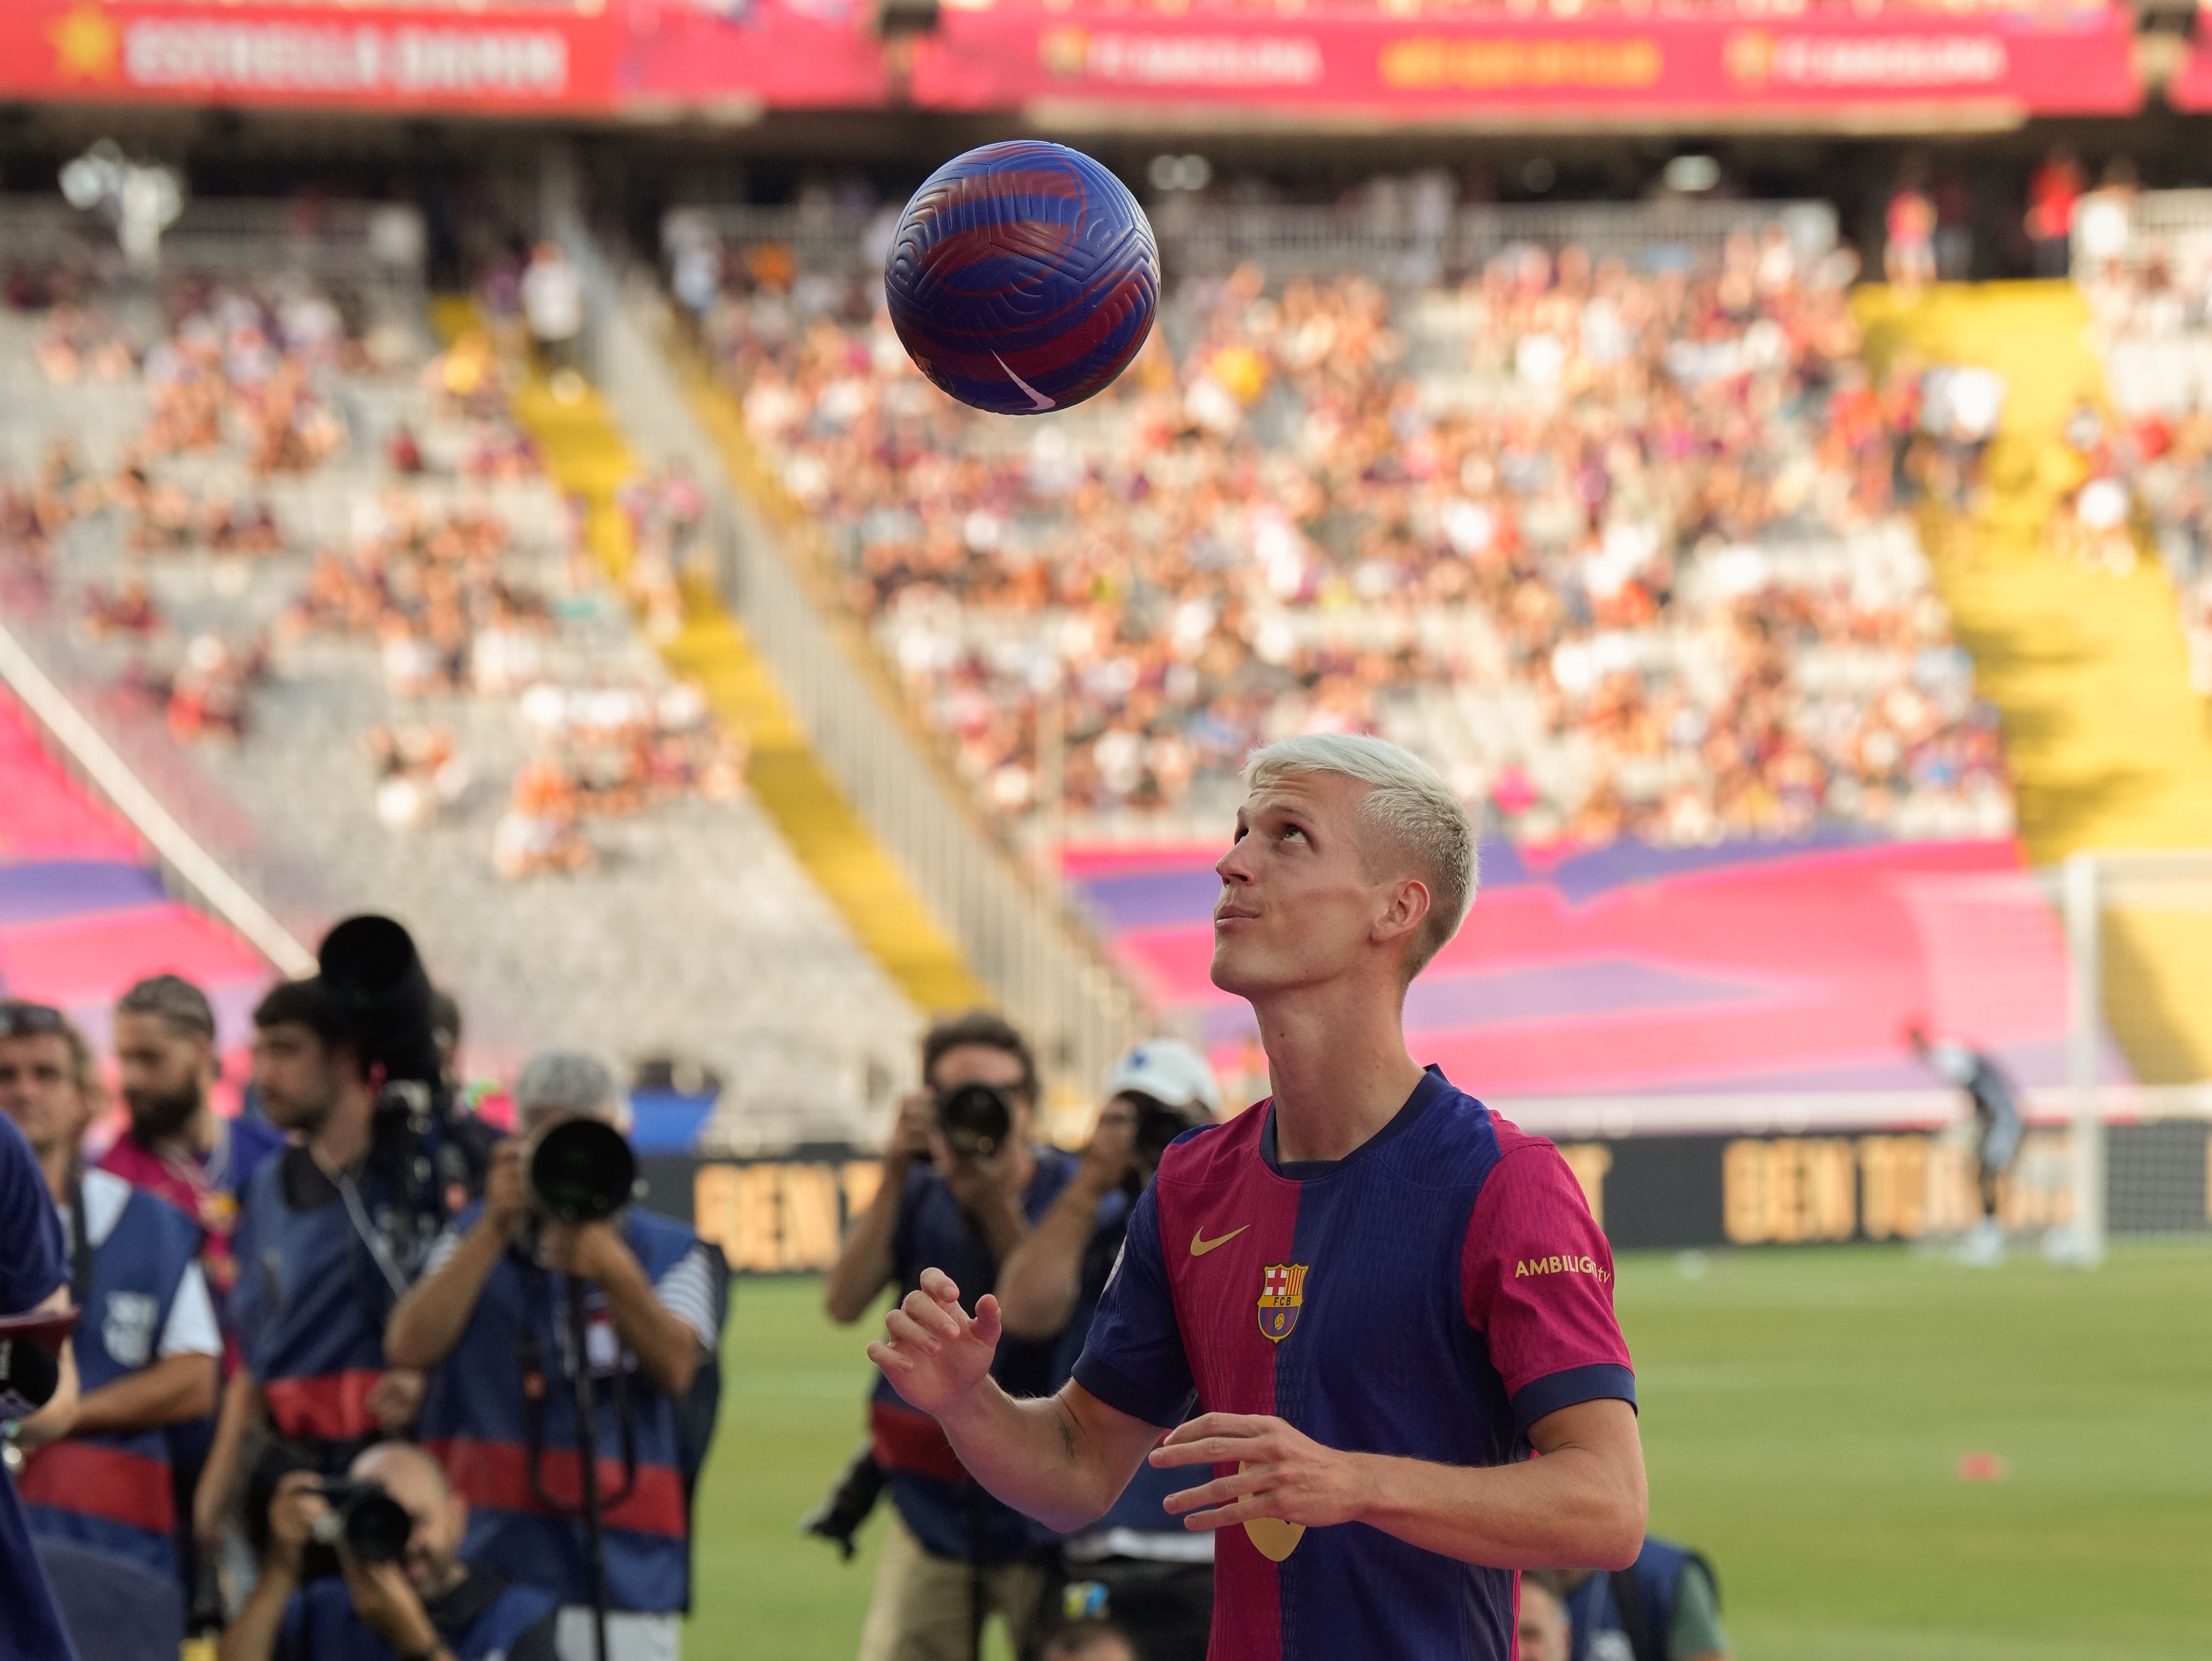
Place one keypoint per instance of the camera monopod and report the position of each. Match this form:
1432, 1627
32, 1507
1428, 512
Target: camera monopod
582, 1171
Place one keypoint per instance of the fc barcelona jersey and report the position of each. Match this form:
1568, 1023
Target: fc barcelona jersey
1431, 1296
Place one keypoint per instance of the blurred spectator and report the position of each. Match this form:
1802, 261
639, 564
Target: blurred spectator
1665, 1607
1617, 549
1908, 253
146, 1346
2053, 190
553, 305
1542, 1628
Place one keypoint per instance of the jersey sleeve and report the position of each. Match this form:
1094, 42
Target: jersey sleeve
191, 1329
33, 1251
1134, 1359
1536, 1273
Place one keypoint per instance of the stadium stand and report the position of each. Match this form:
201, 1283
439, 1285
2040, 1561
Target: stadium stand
1610, 539
312, 568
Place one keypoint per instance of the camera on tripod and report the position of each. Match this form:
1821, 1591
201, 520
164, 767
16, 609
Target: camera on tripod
976, 1120
374, 1527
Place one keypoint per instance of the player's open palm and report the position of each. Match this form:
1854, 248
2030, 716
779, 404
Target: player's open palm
932, 1351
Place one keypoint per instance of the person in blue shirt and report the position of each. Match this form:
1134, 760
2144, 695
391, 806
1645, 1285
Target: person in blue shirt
1137, 1567
1664, 1607
955, 1553
34, 1277
429, 1605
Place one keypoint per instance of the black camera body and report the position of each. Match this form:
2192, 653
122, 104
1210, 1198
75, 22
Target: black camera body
976, 1120
375, 1526
1157, 1126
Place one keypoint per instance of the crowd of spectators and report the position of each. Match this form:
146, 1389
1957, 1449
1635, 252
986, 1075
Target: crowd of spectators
431, 573
1655, 510
2149, 464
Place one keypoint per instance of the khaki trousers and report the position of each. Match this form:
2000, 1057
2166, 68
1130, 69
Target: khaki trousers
924, 1607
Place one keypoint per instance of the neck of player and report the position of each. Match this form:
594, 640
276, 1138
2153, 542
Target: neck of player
1341, 1071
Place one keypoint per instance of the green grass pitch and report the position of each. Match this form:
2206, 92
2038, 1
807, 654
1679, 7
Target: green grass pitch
1804, 1414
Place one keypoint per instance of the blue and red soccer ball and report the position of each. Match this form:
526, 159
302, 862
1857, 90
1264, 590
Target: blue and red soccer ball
1023, 277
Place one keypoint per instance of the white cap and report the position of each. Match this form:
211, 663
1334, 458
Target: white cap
1168, 1071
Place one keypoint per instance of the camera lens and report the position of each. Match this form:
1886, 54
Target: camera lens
377, 1527
1157, 1126
582, 1171
976, 1120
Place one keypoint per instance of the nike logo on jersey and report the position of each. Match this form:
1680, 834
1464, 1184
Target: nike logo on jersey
1036, 397
1200, 1245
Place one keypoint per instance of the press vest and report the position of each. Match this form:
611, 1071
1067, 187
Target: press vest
112, 1490
307, 1285
1594, 1612
477, 1421
950, 1513
321, 1625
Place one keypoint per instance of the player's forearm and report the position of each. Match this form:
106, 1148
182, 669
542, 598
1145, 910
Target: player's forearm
1572, 1508
174, 1389
1039, 1281
1035, 1456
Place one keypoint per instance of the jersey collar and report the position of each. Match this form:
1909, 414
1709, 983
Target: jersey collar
1433, 1086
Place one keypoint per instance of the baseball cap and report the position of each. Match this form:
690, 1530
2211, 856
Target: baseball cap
1168, 1071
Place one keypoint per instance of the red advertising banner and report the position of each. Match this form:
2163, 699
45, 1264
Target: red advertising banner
774, 54
1340, 58
485, 59
2191, 89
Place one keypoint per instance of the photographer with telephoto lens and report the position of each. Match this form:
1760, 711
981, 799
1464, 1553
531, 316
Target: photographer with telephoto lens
961, 1186
402, 1592
335, 1229
492, 1316
1137, 1566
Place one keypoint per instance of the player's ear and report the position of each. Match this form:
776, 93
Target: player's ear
1404, 909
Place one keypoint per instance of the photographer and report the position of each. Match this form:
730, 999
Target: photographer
488, 1315
961, 1186
1137, 1566
402, 1592
146, 1348
322, 1247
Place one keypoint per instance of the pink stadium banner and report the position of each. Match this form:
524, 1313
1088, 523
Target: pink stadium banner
490, 58
738, 60
2191, 89
1347, 58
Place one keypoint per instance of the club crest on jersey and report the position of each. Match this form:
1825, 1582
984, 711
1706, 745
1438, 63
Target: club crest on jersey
1282, 1290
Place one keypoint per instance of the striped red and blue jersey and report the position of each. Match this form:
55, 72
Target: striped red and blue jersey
1432, 1295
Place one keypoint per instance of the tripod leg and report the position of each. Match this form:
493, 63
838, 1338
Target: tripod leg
588, 1465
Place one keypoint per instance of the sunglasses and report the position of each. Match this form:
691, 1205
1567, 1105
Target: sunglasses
20, 1021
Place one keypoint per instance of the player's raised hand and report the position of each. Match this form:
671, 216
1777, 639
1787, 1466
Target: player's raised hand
932, 1351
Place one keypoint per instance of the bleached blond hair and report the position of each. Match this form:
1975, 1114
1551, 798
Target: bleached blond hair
1409, 806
